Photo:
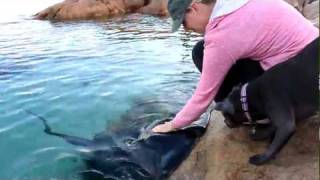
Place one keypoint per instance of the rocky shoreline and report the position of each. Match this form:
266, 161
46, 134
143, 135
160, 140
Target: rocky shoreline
222, 154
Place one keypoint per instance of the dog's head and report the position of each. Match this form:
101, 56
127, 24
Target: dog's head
231, 108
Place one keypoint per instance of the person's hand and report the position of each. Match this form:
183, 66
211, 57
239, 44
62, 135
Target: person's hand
164, 128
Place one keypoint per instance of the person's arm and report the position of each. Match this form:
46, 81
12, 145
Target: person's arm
216, 63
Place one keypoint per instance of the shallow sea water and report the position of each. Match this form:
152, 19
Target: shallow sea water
82, 76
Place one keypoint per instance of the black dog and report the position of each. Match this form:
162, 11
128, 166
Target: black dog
284, 94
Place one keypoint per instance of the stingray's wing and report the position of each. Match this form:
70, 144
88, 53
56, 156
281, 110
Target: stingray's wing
78, 141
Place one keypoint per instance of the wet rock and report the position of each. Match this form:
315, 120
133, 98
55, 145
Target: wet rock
222, 154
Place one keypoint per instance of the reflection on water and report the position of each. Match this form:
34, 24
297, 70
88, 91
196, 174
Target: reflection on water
82, 76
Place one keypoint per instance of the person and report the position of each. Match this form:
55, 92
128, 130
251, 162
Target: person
242, 40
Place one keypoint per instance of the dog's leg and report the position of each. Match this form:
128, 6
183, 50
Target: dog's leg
284, 123
263, 132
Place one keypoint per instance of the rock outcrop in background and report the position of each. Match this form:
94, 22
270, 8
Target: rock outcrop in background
222, 153
309, 8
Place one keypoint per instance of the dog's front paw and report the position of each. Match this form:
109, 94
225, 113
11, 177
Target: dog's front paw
258, 159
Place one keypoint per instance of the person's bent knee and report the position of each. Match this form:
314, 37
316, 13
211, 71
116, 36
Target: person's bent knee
197, 54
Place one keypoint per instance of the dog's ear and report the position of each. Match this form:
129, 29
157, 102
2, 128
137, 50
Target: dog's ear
225, 107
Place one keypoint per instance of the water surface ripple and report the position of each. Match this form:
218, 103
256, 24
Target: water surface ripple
81, 76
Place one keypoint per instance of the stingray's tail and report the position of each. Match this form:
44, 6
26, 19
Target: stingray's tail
78, 141
47, 128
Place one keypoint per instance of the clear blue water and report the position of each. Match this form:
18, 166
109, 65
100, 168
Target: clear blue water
81, 76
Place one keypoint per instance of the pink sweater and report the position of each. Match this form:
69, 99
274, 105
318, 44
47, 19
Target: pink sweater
269, 31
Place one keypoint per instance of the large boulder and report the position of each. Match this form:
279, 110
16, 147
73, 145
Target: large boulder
95, 9
222, 154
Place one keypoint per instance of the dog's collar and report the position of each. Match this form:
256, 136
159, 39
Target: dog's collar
244, 102
245, 108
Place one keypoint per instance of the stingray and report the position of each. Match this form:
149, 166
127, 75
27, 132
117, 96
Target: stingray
133, 154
